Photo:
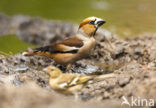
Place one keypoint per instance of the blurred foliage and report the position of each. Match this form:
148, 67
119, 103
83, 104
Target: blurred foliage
12, 45
124, 17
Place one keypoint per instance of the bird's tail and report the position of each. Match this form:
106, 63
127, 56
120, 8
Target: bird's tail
105, 76
38, 51
28, 53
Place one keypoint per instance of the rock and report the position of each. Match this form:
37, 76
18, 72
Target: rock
123, 81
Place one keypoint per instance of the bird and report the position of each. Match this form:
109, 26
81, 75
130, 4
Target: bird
70, 83
75, 48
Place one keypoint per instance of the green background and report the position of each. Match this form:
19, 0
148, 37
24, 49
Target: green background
124, 17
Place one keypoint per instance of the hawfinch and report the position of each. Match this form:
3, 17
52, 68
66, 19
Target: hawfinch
69, 83
75, 48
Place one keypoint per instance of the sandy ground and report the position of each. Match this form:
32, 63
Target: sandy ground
24, 83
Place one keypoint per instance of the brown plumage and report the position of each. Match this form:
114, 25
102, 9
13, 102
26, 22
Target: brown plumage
73, 42
75, 48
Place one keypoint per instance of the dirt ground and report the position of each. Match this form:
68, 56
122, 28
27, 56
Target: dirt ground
23, 83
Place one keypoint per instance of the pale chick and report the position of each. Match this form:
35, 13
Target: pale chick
70, 83
75, 48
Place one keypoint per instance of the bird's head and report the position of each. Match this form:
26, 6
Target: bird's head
53, 71
89, 26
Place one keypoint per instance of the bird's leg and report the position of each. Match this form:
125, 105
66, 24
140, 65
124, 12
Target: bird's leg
69, 68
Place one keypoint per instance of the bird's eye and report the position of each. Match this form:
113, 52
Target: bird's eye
91, 22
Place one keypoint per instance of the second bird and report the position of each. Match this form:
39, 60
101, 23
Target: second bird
75, 48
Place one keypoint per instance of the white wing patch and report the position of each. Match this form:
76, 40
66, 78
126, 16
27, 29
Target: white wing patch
63, 85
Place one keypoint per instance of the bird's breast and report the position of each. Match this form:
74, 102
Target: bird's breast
87, 47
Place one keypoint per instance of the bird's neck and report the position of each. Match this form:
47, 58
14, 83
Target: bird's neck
87, 31
82, 35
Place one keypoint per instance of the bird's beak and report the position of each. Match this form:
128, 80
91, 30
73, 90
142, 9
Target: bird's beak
99, 22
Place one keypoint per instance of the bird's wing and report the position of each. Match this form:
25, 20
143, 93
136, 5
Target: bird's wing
70, 45
84, 79
80, 79
73, 42
64, 81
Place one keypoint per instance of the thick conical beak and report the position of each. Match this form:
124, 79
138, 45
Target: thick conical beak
99, 22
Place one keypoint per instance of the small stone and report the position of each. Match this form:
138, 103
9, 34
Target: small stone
124, 81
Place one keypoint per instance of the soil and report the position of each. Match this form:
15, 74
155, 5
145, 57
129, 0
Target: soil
24, 83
